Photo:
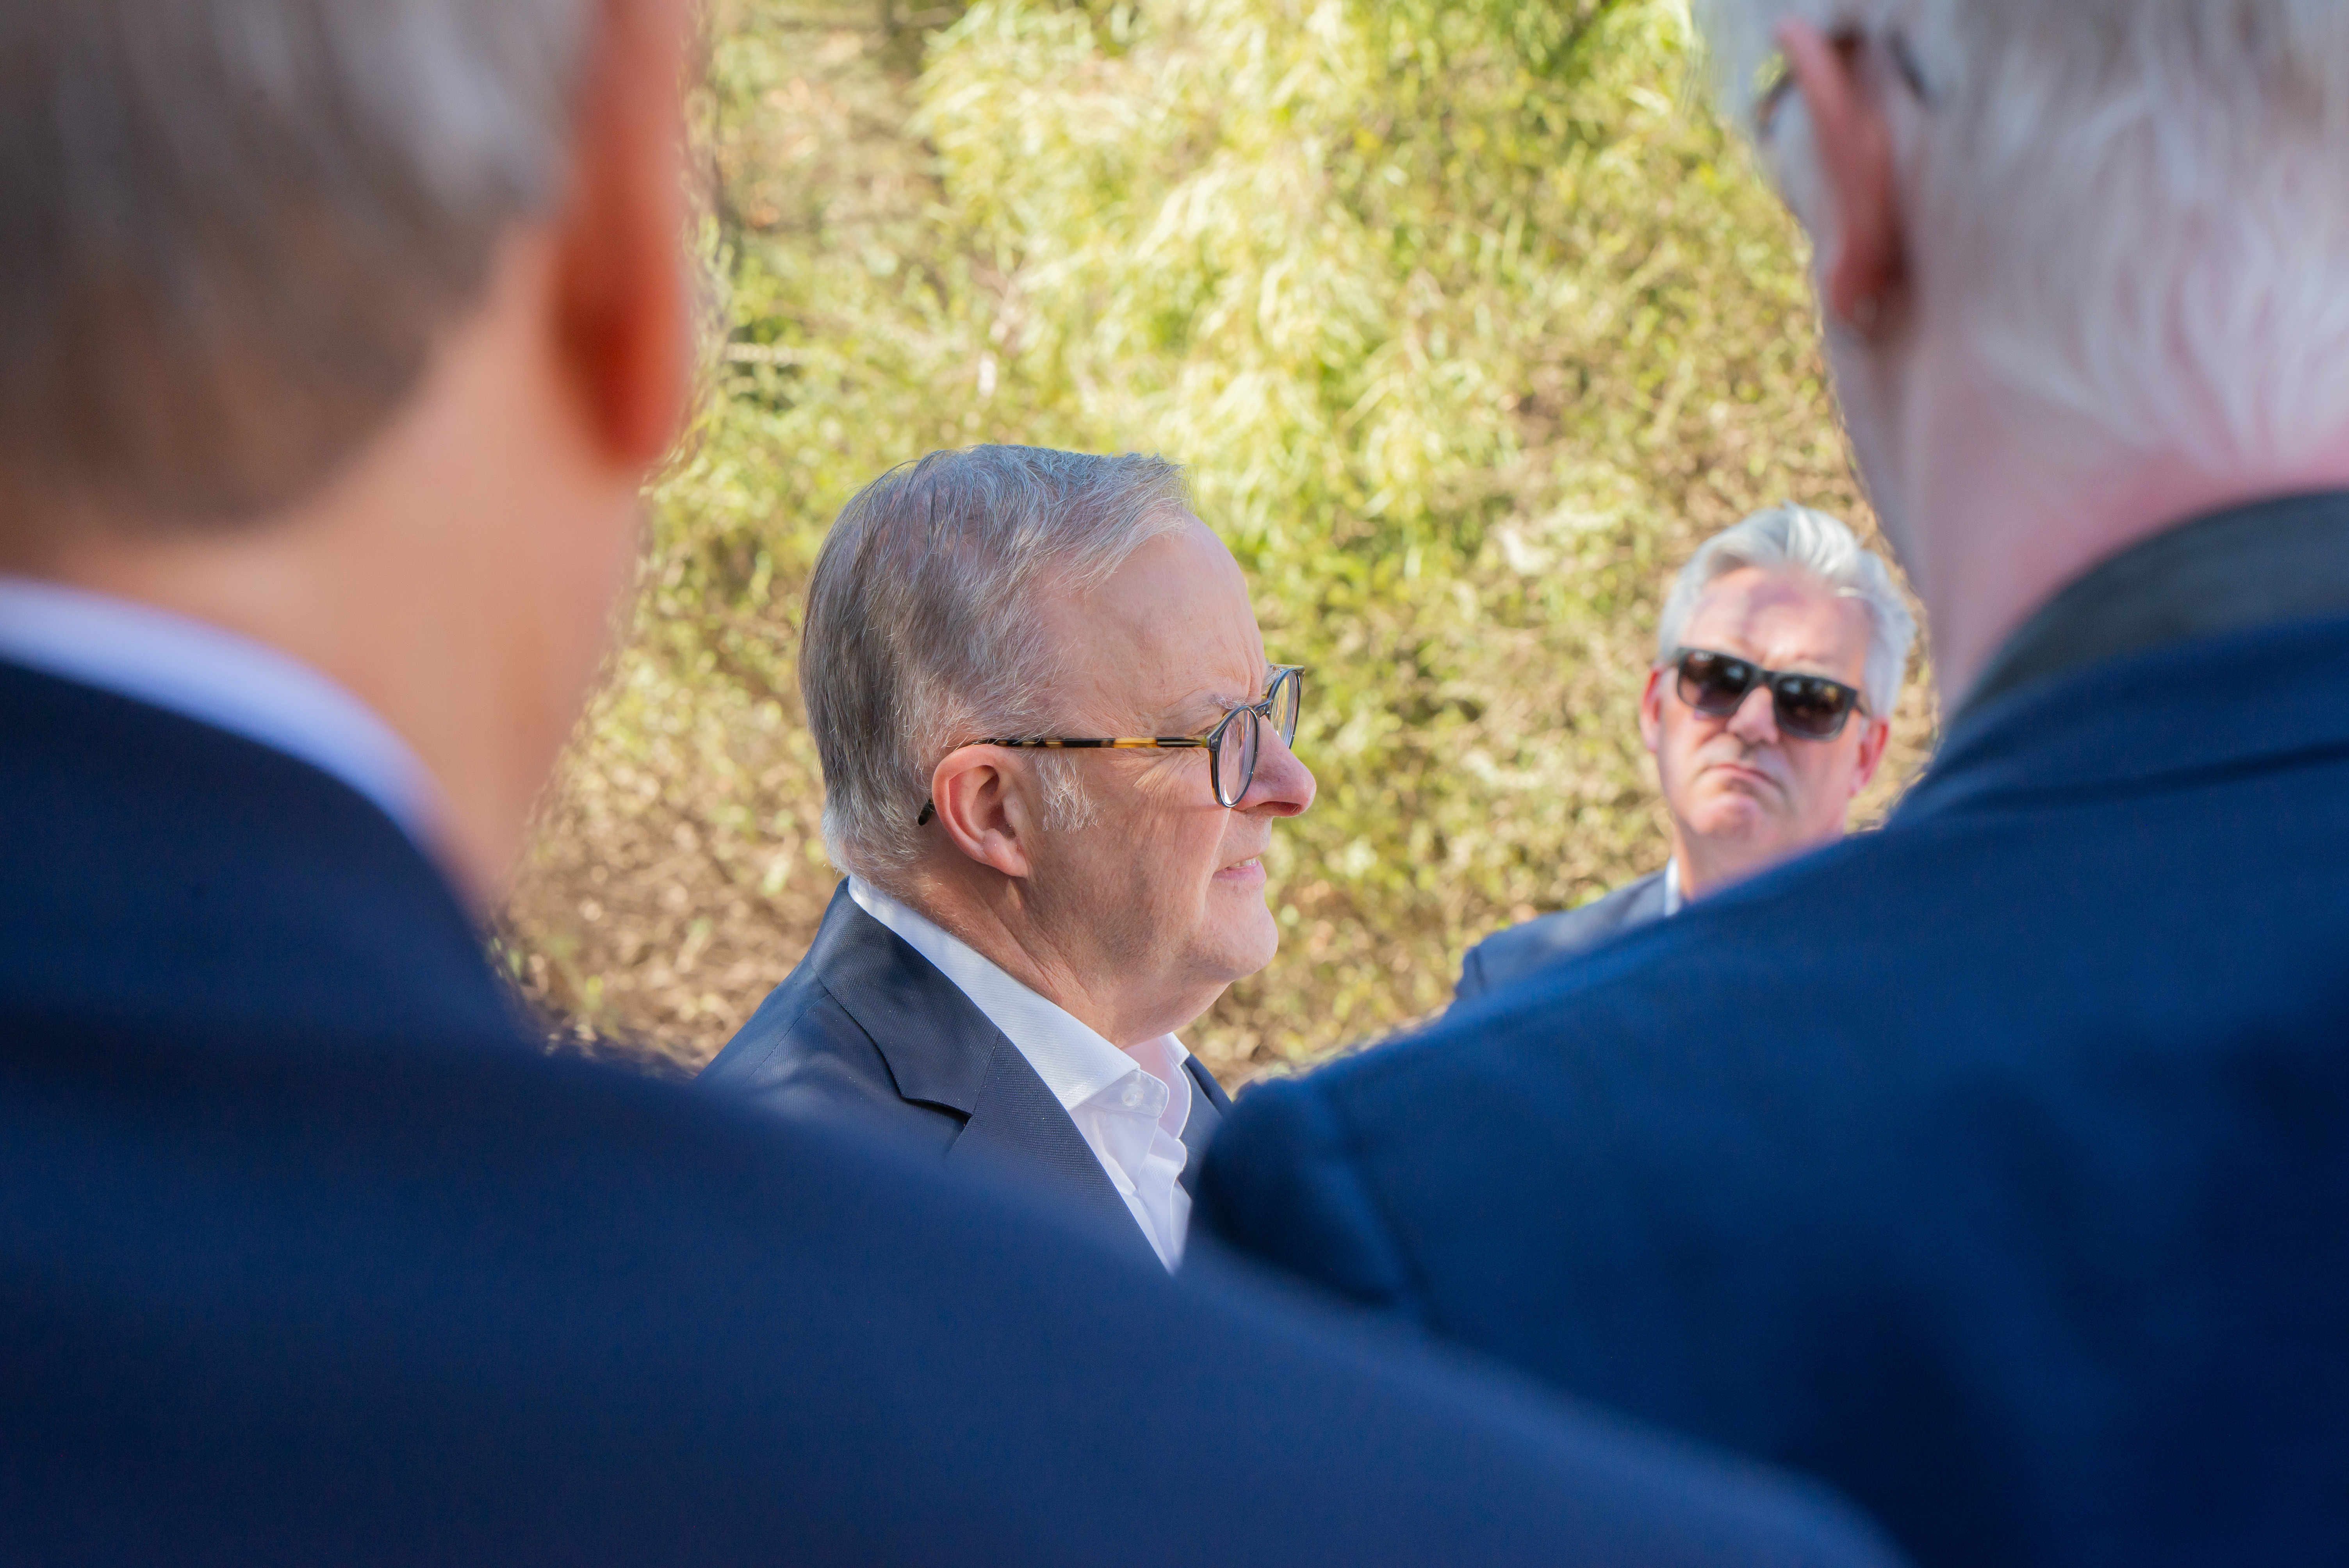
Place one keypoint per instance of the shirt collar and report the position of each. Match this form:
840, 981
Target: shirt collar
2274, 560
1672, 887
1075, 1063
221, 679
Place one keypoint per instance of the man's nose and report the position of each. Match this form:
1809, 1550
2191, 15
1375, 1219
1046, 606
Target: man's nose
1283, 784
1755, 722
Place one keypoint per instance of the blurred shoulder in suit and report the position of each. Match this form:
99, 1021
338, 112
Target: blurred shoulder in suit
1991, 1166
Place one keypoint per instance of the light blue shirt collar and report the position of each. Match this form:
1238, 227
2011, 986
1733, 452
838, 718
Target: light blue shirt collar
218, 677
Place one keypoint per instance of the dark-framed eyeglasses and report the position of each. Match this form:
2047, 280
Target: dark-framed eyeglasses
1232, 746
1811, 707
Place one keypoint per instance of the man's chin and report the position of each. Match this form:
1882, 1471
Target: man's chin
1732, 815
1238, 949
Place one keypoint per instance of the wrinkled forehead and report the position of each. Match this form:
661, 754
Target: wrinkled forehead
1171, 628
1785, 619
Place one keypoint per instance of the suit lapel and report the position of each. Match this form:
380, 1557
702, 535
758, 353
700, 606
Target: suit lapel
941, 1051
1017, 1124
1208, 1104
934, 1039
1646, 903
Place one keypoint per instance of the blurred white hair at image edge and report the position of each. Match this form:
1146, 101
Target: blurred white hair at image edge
1799, 539
2132, 210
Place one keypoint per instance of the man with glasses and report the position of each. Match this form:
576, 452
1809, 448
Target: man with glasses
1025, 923
1779, 659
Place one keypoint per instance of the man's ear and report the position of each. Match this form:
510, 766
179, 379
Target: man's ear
1864, 275
1871, 754
1651, 711
623, 302
981, 809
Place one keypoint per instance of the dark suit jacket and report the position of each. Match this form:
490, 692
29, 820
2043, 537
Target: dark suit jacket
1994, 1166
307, 1256
868, 1028
1521, 950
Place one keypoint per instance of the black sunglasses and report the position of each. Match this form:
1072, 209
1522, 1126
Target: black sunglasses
1811, 706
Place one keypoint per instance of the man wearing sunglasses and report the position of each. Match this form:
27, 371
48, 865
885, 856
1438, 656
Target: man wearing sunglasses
1781, 649
1053, 753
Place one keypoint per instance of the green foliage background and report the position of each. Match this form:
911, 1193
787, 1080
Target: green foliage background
1468, 319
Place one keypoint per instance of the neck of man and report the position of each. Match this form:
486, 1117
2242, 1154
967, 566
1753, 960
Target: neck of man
416, 577
1996, 510
1000, 918
1708, 865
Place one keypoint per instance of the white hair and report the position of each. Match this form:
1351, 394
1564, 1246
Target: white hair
2136, 206
234, 227
1796, 539
921, 634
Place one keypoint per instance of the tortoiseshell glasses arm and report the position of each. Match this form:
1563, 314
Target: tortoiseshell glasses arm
1075, 743
1120, 742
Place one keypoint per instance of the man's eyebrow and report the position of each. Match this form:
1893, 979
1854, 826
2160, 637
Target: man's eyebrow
1201, 708
1212, 703
1821, 666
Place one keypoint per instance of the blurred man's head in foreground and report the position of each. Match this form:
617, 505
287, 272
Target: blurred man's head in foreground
1016, 594
2084, 267
1780, 655
354, 327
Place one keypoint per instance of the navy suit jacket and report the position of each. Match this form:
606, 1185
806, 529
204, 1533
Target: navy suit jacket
308, 1256
1994, 1166
1521, 950
868, 1028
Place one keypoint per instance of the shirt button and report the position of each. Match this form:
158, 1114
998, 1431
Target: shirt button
1133, 1096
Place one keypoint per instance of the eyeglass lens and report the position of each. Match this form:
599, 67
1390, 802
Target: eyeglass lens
1287, 694
1235, 758
1243, 738
1809, 705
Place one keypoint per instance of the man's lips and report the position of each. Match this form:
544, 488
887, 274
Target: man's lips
1242, 870
1740, 772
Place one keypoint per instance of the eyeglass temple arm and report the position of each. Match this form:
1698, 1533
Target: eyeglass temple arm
1120, 742
1069, 743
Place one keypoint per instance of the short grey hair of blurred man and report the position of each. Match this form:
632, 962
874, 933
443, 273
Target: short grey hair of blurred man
1011, 660
1990, 1166
1779, 659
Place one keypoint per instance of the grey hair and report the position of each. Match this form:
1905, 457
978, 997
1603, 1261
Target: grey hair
2135, 207
922, 632
234, 227
1796, 539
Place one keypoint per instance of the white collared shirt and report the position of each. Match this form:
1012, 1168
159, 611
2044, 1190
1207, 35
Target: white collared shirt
1672, 887
1129, 1106
218, 677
